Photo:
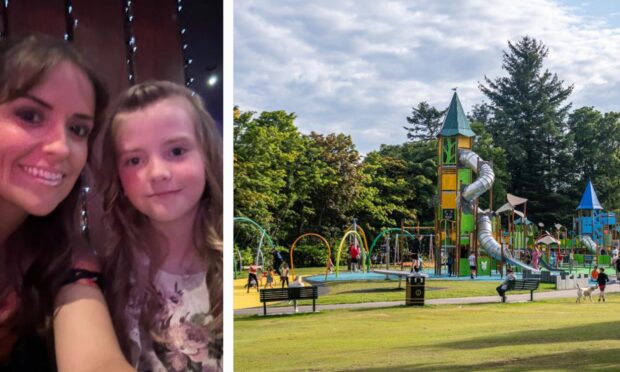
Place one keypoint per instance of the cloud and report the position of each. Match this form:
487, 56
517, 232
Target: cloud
358, 67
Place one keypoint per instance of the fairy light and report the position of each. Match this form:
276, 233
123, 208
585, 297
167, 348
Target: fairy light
185, 47
71, 21
130, 39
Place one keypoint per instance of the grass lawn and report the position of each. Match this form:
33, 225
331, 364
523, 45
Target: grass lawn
387, 290
544, 335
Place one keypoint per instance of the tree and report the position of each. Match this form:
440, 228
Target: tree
270, 169
399, 185
334, 192
527, 119
595, 140
425, 122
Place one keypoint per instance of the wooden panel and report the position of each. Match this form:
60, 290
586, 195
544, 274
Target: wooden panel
100, 35
464, 142
448, 200
156, 30
41, 16
448, 181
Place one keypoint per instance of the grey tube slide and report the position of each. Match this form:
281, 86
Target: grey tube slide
469, 194
589, 243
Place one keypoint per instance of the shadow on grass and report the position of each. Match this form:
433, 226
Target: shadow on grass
254, 318
583, 333
582, 360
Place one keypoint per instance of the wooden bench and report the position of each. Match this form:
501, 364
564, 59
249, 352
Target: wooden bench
529, 284
289, 294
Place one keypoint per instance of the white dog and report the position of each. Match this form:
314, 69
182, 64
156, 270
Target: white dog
585, 292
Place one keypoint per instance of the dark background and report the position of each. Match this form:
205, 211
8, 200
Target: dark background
131, 41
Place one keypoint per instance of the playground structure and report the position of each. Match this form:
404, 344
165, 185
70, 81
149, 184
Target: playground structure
259, 257
329, 253
462, 227
358, 235
400, 234
595, 226
466, 227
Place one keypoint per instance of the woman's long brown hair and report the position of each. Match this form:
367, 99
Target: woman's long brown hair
39, 252
133, 253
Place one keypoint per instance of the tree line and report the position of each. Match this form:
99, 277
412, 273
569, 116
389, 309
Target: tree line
292, 183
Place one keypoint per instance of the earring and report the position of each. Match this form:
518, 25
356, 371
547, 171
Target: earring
84, 191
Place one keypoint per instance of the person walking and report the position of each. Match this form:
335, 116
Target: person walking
602, 282
449, 263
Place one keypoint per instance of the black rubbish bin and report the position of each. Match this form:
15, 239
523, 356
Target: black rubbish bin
415, 291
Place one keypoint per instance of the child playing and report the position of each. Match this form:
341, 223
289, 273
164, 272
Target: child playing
162, 183
252, 278
284, 274
269, 275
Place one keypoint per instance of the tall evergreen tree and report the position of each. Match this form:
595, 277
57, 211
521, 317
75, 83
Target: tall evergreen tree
528, 119
425, 122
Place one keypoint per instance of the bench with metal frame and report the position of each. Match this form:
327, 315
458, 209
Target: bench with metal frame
289, 294
529, 284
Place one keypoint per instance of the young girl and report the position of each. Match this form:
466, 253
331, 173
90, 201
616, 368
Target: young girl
269, 275
162, 183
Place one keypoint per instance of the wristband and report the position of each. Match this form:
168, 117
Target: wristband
85, 277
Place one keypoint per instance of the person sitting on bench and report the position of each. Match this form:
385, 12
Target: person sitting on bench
501, 290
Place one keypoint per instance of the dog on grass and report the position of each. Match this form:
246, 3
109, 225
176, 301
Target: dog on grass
583, 293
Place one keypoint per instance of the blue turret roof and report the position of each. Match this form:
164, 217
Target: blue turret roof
456, 121
589, 200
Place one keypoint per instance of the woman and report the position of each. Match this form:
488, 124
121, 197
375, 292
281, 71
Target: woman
51, 104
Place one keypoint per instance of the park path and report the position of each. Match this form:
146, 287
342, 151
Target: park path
271, 310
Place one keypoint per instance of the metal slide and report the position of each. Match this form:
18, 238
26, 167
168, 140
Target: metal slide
546, 265
483, 183
590, 244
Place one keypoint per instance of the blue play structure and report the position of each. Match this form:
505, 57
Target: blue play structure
592, 220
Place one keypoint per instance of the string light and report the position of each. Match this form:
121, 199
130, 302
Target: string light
185, 48
130, 39
71, 21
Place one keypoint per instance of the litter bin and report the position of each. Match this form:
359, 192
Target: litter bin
415, 291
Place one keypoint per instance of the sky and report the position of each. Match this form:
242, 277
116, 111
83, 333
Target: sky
359, 67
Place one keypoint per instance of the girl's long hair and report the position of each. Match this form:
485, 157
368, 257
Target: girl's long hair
39, 252
134, 254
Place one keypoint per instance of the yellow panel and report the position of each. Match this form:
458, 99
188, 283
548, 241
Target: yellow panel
448, 181
448, 199
464, 142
